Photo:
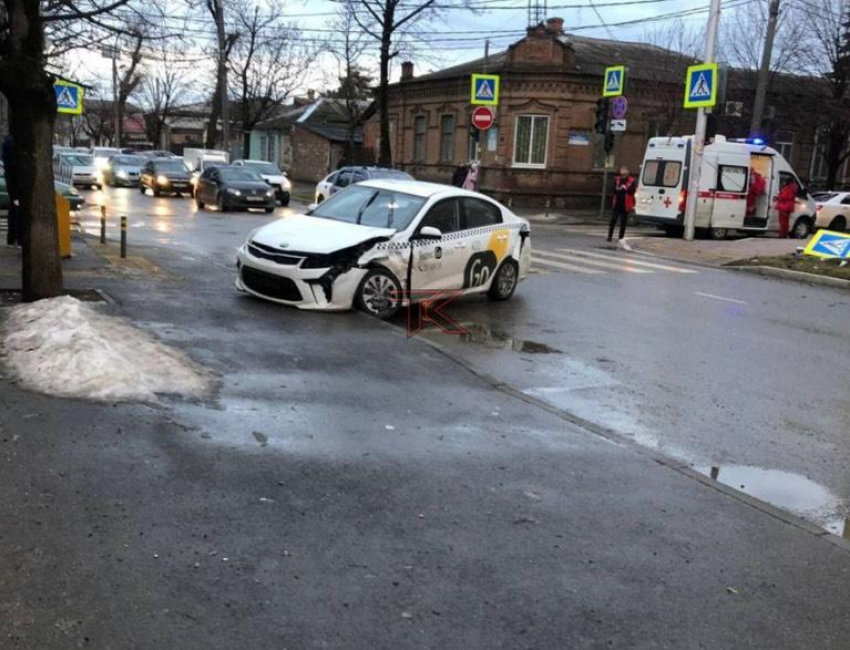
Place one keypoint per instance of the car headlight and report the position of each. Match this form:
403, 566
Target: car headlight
234, 191
287, 185
74, 191
270, 192
162, 180
121, 173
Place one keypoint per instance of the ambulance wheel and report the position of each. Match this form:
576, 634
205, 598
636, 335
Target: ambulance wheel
839, 224
802, 228
718, 233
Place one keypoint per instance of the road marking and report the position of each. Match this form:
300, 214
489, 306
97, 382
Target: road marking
631, 260
713, 297
562, 266
592, 262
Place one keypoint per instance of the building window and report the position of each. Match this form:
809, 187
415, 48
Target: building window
785, 144
419, 127
530, 139
447, 138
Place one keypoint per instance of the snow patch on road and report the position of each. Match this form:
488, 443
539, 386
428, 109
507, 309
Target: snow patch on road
69, 348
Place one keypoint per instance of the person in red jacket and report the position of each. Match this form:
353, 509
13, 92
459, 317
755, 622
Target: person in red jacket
758, 187
625, 187
785, 203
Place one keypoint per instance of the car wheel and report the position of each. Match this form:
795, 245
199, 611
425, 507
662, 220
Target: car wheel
378, 294
269, 210
199, 203
320, 199
157, 192
220, 204
504, 281
284, 202
718, 233
802, 228
839, 224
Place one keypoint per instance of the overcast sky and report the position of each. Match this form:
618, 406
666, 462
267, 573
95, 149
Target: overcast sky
451, 37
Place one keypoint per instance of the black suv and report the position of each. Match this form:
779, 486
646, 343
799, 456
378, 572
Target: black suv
164, 175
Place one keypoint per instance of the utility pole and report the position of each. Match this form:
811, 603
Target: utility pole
764, 70
699, 134
222, 74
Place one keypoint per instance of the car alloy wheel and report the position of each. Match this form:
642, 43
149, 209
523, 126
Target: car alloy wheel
505, 281
719, 233
378, 294
802, 229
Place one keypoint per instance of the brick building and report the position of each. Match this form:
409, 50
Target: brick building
543, 146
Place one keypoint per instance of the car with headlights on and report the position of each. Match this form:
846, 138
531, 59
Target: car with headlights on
379, 244
271, 175
123, 170
165, 176
234, 188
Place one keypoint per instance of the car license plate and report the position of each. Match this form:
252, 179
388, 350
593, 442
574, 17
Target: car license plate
255, 198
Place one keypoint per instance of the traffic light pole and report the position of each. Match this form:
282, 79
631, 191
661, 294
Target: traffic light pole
699, 134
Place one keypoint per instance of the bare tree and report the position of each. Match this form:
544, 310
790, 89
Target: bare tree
220, 100
164, 86
28, 87
355, 85
384, 21
268, 62
128, 82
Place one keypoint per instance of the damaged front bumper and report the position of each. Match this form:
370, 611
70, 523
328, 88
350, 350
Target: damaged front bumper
287, 283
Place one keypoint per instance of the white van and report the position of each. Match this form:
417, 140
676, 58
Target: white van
662, 192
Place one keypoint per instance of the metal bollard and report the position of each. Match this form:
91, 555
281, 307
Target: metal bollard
103, 224
123, 237
548, 204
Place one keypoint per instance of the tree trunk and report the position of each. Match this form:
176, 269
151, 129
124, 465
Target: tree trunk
212, 130
32, 116
385, 156
246, 145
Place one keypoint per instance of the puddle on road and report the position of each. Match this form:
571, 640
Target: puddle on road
785, 490
478, 334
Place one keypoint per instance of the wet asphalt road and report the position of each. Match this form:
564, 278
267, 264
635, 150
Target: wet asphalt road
716, 368
348, 487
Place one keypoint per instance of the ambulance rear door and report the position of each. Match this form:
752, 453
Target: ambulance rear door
730, 190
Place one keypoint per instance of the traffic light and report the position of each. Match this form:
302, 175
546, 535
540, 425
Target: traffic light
609, 141
601, 124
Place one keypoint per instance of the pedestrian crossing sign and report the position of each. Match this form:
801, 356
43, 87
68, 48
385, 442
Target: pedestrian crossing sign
701, 86
614, 84
69, 97
829, 244
485, 90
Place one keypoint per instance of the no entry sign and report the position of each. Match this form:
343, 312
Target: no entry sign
482, 118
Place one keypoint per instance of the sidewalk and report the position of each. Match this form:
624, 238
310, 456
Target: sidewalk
713, 253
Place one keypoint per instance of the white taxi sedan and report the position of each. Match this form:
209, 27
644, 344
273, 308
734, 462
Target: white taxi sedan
833, 210
377, 244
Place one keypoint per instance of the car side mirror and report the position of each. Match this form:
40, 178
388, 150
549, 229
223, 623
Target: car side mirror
430, 232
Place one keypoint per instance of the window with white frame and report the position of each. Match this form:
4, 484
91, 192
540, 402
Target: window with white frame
419, 127
784, 144
530, 140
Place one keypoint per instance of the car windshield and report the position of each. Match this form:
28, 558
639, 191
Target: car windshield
100, 153
169, 166
82, 161
266, 168
368, 206
823, 197
132, 161
236, 174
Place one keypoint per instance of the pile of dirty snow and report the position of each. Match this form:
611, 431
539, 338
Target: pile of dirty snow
69, 348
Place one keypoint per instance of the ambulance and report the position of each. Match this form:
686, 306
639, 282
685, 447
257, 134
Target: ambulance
727, 166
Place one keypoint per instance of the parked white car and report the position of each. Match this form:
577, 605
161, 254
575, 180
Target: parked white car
271, 175
833, 210
78, 170
367, 244
346, 176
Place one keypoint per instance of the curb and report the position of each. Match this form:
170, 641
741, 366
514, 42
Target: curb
612, 436
788, 274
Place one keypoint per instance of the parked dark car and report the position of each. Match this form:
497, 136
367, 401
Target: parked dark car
234, 188
164, 175
123, 170
68, 191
